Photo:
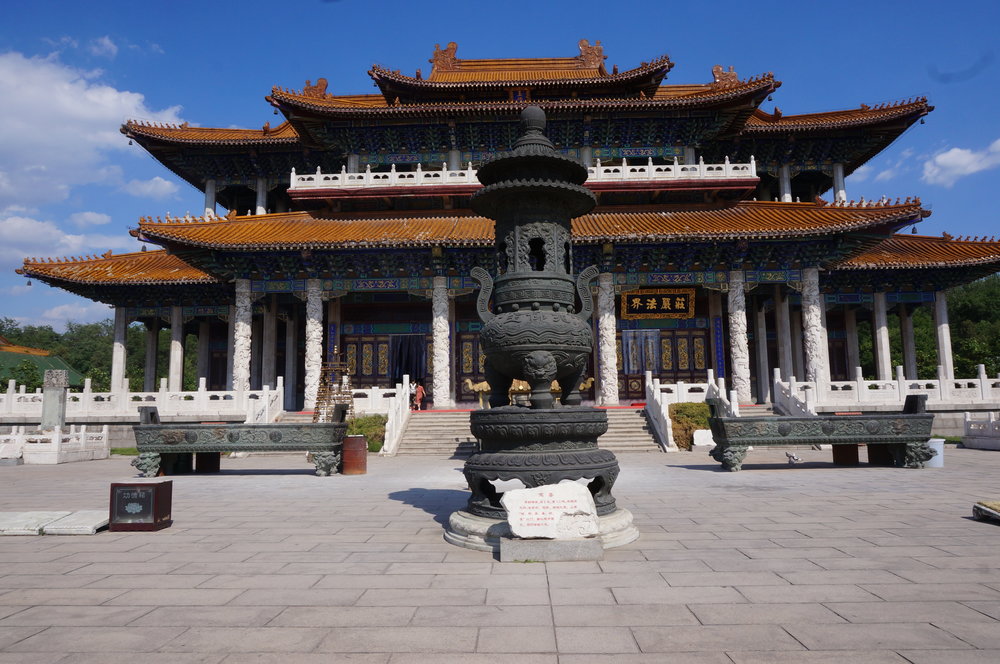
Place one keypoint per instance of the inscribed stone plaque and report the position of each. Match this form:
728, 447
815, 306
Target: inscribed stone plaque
552, 511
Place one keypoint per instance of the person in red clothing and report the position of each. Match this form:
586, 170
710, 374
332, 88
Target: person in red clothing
418, 396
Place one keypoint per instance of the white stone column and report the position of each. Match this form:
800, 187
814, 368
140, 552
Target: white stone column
783, 325
689, 156
909, 342
118, 350
945, 358
739, 347
454, 160
880, 330
607, 353
243, 321
353, 163
175, 373
152, 349
440, 334
210, 197
785, 184
314, 342
763, 370
587, 156
291, 359
261, 190
813, 333
851, 330
269, 344
204, 350
839, 188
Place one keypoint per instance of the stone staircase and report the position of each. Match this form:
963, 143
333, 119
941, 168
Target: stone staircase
438, 432
446, 433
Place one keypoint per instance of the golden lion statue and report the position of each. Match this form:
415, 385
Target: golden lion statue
482, 389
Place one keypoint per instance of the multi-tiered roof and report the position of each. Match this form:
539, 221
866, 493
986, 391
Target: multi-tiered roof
473, 106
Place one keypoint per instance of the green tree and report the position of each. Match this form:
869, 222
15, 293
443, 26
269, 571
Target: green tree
25, 373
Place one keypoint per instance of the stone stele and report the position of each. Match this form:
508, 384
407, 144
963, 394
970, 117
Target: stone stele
552, 511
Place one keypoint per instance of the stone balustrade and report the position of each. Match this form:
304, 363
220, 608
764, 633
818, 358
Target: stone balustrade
982, 431
18, 406
804, 396
630, 172
398, 411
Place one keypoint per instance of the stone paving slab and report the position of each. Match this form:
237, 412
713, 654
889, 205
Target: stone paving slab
27, 523
811, 563
84, 522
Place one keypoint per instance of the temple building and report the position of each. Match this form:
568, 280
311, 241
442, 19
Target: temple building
724, 234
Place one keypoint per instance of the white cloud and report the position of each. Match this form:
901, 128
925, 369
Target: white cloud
861, 173
887, 174
22, 237
103, 47
155, 187
82, 219
63, 129
946, 168
82, 312
20, 289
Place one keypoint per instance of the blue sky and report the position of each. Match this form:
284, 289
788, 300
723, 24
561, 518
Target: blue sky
72, 72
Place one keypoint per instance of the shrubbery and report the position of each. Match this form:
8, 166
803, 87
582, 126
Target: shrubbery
372, 427
686, 418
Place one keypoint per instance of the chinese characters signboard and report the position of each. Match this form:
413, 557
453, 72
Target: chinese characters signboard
141, 506
658, 303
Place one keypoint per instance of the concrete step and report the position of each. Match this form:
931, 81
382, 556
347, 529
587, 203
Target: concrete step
447, 432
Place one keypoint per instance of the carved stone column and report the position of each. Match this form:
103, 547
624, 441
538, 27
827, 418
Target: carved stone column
607, 353
175, 373
314, 341
783, 325
441, 335
261, 191
242, 336
152, 350
880, 329
814, 335
909, 343
118, 350
945, 358
739, 347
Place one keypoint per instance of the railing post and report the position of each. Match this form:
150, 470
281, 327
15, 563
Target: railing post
901, 387
984, 386
859, 385
943, 389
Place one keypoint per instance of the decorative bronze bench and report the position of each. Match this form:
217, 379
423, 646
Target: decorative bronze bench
167, 449
893, 439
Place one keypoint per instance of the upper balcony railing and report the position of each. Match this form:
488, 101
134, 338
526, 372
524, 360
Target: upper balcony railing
624, 172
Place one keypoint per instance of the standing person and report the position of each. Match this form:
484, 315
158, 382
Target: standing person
418, 396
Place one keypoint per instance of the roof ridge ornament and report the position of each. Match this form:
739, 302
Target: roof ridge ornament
318, 90
722, 77
444, 58
591, 56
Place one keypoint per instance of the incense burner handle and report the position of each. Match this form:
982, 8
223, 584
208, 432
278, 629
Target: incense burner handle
485, 281
583, 290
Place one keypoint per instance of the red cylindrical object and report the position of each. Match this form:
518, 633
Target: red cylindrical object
355, 455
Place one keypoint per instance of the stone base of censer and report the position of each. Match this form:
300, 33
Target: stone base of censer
536, 447
483, 534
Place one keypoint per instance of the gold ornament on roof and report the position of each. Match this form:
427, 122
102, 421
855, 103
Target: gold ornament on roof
444, 58
591, 56
723, 77
318, 90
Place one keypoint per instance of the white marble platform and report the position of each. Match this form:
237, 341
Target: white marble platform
84, 522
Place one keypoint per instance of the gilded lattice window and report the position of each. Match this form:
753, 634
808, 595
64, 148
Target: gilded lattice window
683, 360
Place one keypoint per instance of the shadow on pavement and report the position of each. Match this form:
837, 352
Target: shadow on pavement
439, 503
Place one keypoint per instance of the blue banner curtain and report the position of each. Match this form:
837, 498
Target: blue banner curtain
640, 351
407, 356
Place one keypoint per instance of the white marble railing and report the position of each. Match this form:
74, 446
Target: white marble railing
376, 400
674, 171
982, 431
659, 396
658, 414
61, 445
398, 410
600, 173
797, 397
264, 405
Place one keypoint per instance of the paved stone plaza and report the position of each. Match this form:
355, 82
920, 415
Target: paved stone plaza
269, 563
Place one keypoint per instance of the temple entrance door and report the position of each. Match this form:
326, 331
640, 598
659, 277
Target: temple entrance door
672, 356
471, 368
367, 357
